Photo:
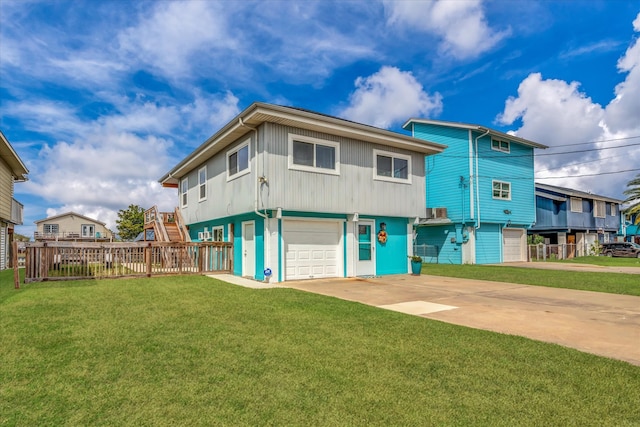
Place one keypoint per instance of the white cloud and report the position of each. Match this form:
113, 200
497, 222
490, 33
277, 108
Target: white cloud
211, 113
106, 164
388, 97
623, 111
175, 32
556, 113
461, 26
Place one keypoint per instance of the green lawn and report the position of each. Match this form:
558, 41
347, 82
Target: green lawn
614, 283
601, 260
191, 351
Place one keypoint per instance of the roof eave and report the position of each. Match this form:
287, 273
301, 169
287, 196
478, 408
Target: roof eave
478, 128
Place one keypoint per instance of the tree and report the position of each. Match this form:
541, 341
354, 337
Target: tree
633, 193
130, 222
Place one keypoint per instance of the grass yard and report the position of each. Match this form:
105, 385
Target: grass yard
614, 283
191, 350
601, 260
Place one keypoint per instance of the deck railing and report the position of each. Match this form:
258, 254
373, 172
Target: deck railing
543, 252
81, 260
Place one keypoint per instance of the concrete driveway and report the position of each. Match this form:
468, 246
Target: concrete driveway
593, 322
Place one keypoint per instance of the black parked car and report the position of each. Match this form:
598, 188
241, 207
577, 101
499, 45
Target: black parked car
621, 249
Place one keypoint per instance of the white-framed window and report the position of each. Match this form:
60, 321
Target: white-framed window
392, 167
202, 183
501, 190
599, 207
238, 161
50, 228
218, 234
500, 145
614, 210
184, 189
88, 230
576, 204
314, 155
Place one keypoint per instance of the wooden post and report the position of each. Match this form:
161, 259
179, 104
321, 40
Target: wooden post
147, 256
16, 273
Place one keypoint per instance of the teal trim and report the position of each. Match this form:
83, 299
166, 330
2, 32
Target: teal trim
301, 214
280, 259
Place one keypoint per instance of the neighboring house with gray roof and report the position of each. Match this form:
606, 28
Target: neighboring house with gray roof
12, 170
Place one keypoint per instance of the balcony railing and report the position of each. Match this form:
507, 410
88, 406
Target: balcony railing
69, 235
16, 212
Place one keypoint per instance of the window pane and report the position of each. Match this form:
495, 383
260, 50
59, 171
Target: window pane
203, 191
400, 168
302, 153
384, 166
233, 164
243, 158
202, 176
325, 157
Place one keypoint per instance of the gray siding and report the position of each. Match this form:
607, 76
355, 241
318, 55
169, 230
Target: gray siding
223, 198
354, 190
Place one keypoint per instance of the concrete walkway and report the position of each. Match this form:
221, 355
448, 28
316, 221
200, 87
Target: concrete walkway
593, 322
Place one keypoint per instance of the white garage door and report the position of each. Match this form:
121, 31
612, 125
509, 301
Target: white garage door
512, 244
312, 249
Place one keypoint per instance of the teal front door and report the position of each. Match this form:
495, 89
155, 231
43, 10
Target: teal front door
366, 264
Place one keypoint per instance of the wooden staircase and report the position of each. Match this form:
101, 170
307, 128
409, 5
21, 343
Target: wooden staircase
166, 226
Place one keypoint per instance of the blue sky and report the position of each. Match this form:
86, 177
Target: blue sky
101, 98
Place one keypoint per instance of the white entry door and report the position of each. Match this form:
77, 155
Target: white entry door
366, 245
248, 249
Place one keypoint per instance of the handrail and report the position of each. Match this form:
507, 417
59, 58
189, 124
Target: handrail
150, 215
184, 234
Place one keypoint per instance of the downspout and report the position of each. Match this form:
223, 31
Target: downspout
259, 180
478, 178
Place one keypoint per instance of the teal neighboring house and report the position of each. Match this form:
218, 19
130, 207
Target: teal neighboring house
631, 229
305, 195
480, 194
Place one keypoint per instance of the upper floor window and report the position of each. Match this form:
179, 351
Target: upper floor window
238, 161
500, 145
614, 210
202, 183
314, 155
599, 209
184, 188
391, 167
501, 190
576, 204
50, 228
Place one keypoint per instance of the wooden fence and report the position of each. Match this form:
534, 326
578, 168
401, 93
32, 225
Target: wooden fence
82, 260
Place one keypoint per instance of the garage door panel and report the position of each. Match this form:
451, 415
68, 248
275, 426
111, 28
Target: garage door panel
512, 245
311, 249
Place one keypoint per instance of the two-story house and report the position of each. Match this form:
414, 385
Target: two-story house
576, 218
305, 195
479, 192
71, 226
12, 170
